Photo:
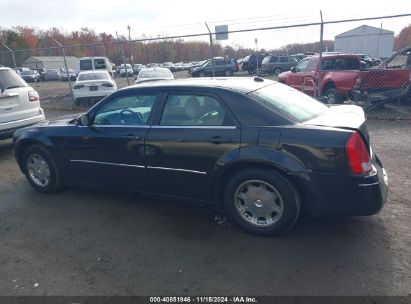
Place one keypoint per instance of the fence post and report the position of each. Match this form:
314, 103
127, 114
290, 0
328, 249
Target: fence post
124, 57
67, 70
12, 55
212, 50
318, 80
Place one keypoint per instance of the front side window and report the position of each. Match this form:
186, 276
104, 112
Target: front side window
193, 110
126, 110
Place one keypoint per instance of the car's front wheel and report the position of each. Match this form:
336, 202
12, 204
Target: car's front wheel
41, 169
262, 201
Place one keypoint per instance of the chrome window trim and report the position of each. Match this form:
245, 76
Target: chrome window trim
177, 169
104, 163
195, 127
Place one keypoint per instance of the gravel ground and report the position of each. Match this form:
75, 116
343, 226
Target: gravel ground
89, 242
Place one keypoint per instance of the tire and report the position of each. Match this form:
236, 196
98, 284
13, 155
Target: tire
228, 73
262, 184
277, 71
201, 74
39, 153
332, 96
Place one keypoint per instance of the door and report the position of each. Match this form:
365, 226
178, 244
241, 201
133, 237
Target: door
110, 152
296, 78
183, 147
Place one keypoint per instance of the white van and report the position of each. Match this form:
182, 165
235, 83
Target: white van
94, 63
19, 103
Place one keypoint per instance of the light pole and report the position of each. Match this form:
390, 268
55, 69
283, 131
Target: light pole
256, 54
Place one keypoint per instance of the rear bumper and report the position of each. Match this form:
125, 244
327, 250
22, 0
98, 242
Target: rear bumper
347, 195
7, 129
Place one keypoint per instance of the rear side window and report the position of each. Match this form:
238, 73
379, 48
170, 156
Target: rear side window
9, 80
283, 59
289, 102
86, 65
193, 110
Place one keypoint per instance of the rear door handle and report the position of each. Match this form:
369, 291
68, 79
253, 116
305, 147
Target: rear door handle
219, 140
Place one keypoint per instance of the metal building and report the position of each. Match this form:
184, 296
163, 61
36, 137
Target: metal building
50, 62
369, 40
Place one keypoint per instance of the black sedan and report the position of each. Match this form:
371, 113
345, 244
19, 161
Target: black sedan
260, 150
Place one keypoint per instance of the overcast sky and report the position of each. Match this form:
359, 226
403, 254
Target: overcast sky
163, 17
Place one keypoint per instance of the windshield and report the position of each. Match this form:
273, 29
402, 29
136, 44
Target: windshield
9, 79
93, 76
290, 102
155, 74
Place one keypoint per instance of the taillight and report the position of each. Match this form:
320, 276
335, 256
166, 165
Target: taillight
78, 86
107, 84
358, 156
33, 96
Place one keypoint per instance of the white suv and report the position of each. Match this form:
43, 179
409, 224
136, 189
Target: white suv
19, 103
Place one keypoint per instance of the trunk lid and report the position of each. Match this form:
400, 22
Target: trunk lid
344, 116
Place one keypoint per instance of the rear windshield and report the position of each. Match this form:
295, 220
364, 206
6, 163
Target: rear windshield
155, 74
100, 64
9, 80
27, 73
86, 65
93, 76
289, 102
266, 59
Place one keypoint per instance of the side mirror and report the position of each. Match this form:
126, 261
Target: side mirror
293, 70
84, 120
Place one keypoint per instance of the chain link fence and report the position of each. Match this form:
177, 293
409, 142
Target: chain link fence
358, 66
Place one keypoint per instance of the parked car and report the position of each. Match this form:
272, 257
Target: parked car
168, 65
64, 75
275, 65
221, 67
19, 103
30, 76
341, 76
126, 70
153, 74
249, 63
137, 68
93, 86
53, 74
260, 150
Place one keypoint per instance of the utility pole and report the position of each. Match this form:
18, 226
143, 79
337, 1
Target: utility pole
129, 36
12, 55
67, 70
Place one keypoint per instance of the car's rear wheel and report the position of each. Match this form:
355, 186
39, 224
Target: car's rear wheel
41, 169
262, 201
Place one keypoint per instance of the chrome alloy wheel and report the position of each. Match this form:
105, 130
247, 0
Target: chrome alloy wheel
258, 203
38, 170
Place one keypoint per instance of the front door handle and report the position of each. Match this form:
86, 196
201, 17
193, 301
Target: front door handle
219, 140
